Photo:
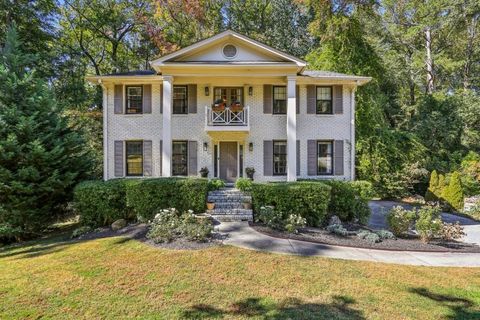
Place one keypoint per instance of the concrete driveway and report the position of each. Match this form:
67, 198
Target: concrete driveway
381, 208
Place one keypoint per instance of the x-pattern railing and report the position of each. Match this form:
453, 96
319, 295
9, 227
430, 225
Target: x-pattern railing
227, 117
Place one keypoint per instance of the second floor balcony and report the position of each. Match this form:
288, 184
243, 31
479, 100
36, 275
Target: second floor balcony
227, 119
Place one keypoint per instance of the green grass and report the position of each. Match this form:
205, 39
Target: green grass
117, 278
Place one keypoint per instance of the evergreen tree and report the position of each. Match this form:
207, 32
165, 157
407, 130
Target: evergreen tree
454, 192
41, 158
432, 187
442, 185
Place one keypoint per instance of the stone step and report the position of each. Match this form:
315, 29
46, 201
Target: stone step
228, 205
222, 211
233, 217
229, 198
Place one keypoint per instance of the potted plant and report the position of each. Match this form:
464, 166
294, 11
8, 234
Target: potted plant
204, 172
236, 107
210, 205
219, 105
247, 204
250, 172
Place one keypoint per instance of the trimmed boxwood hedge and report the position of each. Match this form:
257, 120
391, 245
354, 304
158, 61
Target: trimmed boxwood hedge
308, 199
100, 203
147, 196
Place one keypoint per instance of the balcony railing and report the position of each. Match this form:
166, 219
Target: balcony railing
227, 117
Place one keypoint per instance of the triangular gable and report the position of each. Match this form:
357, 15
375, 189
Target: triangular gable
216, 49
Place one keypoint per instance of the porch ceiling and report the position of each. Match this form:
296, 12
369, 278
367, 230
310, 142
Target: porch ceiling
228, 135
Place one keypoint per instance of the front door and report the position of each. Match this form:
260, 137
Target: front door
228, 161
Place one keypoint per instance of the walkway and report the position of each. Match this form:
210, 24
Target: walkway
241, 235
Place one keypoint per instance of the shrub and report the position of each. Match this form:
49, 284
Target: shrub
307, 199
147, 196
399, 220
215, 184
346, 202
431, 194
364, 189
170, 224
429, 225
294, 222
244, 184
385, 234
337, 229
369, 236
452, 231
100, 203
453, 193
272, 218
8, 233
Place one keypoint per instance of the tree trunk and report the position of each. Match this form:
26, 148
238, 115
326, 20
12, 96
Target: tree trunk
471, 34
429, 61
411, 76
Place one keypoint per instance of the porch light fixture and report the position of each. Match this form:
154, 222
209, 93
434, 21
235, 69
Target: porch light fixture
250, 146
207, 91
205, 146
250, 91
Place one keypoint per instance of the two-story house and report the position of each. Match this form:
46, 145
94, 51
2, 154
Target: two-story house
227, 103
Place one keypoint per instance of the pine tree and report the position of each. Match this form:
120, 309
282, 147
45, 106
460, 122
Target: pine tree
41, 158
432, 188
441, 188
454, 192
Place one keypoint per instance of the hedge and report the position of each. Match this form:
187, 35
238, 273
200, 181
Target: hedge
147, 196
100, 203
348, 201
308, 199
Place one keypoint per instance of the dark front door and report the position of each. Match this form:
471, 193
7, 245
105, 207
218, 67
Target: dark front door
228, 161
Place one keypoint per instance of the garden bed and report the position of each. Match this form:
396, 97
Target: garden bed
413, 243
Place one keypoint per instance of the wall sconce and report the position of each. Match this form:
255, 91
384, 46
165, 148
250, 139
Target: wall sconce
207, 91
250, 146
250, 91
205, 146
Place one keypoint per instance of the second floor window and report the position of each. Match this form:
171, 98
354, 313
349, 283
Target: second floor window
134, 159
279, 157
324, 100
134, 99
180, 100
279, 100
179, 158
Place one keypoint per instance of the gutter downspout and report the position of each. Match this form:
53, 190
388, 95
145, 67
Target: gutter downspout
105, 130
352, 131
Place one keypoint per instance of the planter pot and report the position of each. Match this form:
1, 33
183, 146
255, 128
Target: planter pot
247, 205
210, 205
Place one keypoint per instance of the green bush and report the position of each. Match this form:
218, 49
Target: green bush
364, 189
100, 203
432, 191
399, 220
385, 234
244, 184
308, 199
276, 220
170, 224
147, 196
369, 236
337, 229
429, 224
215, 184
346, 201
453, 193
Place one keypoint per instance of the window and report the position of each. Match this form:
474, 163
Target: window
279, 157
134, 99
180, 100
279, 100
324, 157
324, 100
134, 156
229, 95
180, 158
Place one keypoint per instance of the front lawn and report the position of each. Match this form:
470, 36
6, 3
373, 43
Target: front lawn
117, 278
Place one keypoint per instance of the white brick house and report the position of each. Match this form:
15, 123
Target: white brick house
227, 103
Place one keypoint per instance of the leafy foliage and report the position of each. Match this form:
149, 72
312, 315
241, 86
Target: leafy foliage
429, 224
453, 193
400, 220
215, 184
243, 184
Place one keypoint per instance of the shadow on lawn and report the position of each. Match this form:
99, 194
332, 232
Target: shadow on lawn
461, 308
289, 308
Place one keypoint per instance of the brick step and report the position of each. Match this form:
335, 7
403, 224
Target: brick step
222, 211
229, 198
233, 217
228, 205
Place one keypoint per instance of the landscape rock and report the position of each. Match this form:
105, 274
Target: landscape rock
334, 220
119, 224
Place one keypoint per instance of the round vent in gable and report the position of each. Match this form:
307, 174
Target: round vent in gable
229, 51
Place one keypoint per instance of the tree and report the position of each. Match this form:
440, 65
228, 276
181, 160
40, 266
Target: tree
431, 194
454, 193
41, 158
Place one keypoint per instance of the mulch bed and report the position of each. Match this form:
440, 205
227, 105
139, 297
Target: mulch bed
138, 231
413, 243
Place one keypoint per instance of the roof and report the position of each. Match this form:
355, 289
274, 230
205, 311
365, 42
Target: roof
228, 34
133, 73
330, 75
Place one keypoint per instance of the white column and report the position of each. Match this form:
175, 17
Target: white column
352, 134
167, 126
105, 130
291, 129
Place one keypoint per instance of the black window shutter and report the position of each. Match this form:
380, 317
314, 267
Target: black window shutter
337, 99
118, 158
298, 157
192, 158
311, 99
312, 157
267, 98
268, 158
192, 98
297, 97
338, 157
